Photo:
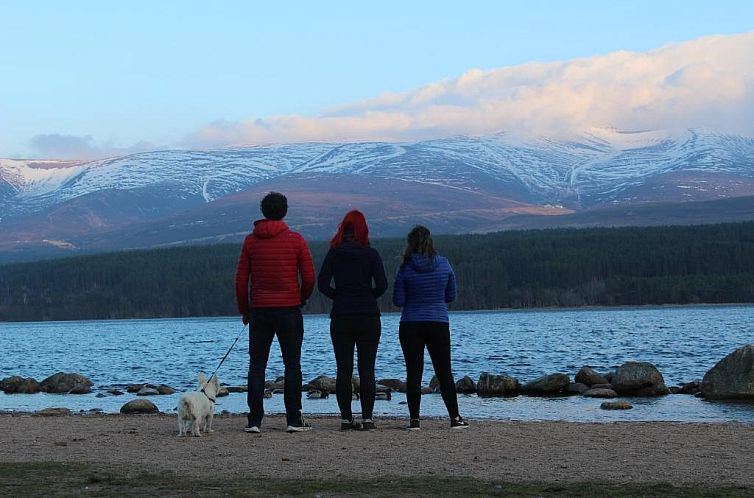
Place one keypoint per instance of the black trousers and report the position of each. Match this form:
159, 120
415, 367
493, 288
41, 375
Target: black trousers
288, 325
435, 336
363, 332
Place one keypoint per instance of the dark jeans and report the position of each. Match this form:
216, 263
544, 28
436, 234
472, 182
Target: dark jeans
363, 332
414, 336
288, 325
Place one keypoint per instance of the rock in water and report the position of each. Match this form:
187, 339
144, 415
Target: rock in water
732, 377
497, 385
600, 393
136, 406
396, 384
323, 383
548, 384
165, 389
67, 383
616, 405
316, 394
589, 377
19, 385
576, 388
434, 384
466, 385
690, 388
148, 391
635, 378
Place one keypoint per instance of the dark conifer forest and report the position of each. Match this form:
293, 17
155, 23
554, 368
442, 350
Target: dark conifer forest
521, 269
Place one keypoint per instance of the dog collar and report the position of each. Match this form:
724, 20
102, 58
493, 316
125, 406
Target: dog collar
207, 395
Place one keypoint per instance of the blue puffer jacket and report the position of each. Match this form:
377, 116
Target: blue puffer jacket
423, 286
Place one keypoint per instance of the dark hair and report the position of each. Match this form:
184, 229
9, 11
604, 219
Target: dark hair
274, 206
419, 241
353, 227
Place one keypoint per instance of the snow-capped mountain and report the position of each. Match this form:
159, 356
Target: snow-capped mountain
481, 179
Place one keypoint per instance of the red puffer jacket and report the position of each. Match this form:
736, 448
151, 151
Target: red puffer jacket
272, 257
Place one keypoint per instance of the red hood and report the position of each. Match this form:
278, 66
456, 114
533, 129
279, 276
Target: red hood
267, 229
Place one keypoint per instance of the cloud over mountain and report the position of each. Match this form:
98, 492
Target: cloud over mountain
707, 82
61, 146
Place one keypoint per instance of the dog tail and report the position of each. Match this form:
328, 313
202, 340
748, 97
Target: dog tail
185, 407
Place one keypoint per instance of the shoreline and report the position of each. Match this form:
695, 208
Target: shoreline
562, 452
451, 311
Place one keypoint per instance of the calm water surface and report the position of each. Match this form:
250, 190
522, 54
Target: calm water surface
683, 342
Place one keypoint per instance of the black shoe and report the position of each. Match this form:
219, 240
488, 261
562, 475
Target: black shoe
349, 425
414, 425
367, 425
298, 425
458, 423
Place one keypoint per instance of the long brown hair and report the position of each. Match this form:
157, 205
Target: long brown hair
419, 241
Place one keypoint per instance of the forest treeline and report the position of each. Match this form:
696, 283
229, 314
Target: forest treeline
521, 269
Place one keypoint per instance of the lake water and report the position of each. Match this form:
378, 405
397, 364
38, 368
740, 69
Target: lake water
683, 342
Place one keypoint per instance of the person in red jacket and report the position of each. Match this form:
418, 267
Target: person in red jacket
272, 259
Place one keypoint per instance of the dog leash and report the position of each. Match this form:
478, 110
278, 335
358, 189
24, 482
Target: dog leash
226, 355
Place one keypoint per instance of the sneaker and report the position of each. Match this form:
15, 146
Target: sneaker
299, 425
349, 425
254, 429
413, 425
458, 423
367, 425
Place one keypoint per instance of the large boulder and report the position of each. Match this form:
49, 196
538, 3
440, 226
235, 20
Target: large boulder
497, 385
137, 406
636, 378
589, 377
434, 384
547, 384
732, 377
323, 383
20, 385
67, 383
466, 385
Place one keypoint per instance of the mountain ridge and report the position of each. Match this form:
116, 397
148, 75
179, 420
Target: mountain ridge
458, 184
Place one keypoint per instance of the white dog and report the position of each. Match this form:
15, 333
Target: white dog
198, 407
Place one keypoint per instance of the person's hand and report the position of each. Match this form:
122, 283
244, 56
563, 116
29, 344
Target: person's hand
245, 319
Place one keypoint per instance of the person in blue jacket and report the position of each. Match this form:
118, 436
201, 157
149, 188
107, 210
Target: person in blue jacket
359, 277
424, 284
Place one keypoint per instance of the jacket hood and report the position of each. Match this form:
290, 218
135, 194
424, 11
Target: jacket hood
350, 250
266, 229
422, 263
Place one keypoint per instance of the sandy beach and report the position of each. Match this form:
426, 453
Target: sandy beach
675, 453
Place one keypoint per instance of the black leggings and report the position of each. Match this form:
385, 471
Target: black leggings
363, 332
435, 336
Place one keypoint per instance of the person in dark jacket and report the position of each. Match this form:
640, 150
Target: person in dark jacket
424, 284
272, 259
359, 278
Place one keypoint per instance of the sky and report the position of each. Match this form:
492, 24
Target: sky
86, 79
